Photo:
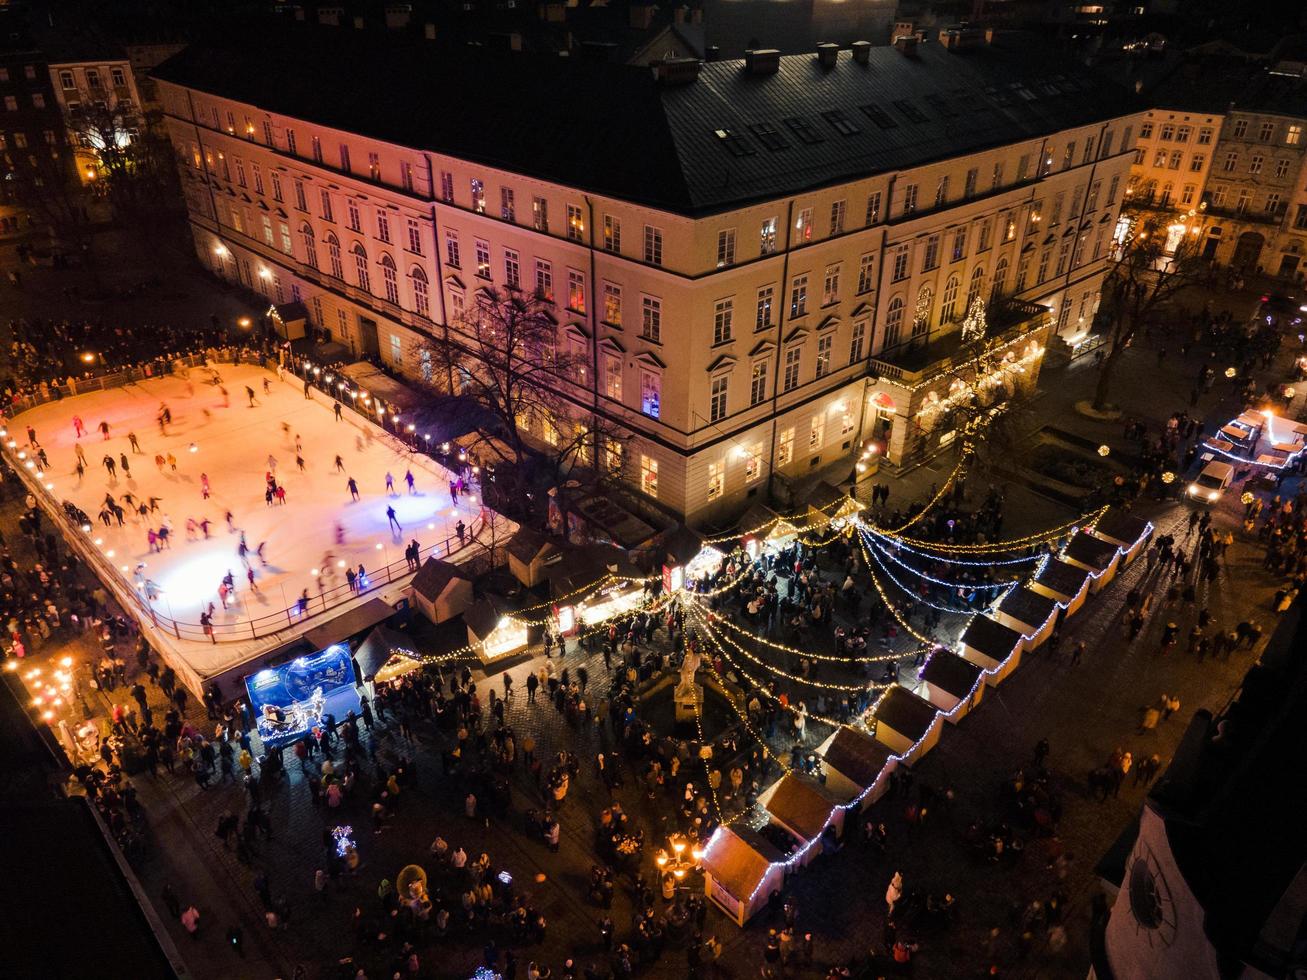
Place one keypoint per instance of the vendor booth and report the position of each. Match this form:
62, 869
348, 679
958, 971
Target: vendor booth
830, 505
378, 659
441, 590
741, 870
593, 585
289, 320
907, 724
1095, 556
529, 556
803, 808
1031, 614
761, 528
1127, 532
494, 632
290, 700
856, 764
1062, 582
951, 684
991, 646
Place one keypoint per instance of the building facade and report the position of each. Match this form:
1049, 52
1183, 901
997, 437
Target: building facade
100, 103
32, 141
759, 288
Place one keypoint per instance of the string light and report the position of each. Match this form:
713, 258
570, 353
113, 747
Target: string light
1010, 544
918, 598
966, 453
795, 651
898, 544
939, 581
703, 743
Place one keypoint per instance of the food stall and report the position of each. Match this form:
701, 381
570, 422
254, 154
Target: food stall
1028, 612
951, 684
591, 586
290, 700
1096, 556
855, 764
828, 504
803, 808
441, 590
378, 659
1062, 582
494, 632
762, 529
741, 870
907, 724
991, 646
1126, 531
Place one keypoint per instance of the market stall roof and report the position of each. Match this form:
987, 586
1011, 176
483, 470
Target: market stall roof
855, 755
484, 615
1062, 577
1027, 607
682, 545
831, 500
951, 673
612, 517
434, 577
739, 858
991, 638
802, 804
1094, 552
907, 714
760, 520
289, 312
527, 545
350, 623
1116, 525
377, 649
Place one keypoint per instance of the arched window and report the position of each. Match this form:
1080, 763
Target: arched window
310, 245
949, 307
333, 256
421, 295
1000, 277
977, 286
894, 322
361, 267
390, 278
1023, 272
921, 314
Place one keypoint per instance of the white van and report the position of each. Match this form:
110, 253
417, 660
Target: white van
1211, 483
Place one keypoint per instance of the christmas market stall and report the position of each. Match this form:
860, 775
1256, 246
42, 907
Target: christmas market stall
762, 529
290, 700
856, 766
382, 657
991, 646
529, 556
1096, 556
494, 632
1031, 614
1125, 531
907, 724
830, 505
951, 684
741, 870
1062, 582
441, 590
807, 811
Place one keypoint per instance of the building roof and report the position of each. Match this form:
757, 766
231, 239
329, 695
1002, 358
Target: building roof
682, 545
990, 637
528, 545
1062, 577
1219, 83
950, 673
484, 616
350, 623
1093, 551
905, 713
434, 576
855, 755
724, 139
377, 649
1027, 607
1120, 527
739, 858
800, 803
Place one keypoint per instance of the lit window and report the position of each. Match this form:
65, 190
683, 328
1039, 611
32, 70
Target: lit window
649, 476
717, 399
716, 479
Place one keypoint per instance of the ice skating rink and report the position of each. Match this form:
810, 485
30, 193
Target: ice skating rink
231, 444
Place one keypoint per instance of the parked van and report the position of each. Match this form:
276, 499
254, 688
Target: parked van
1211, 483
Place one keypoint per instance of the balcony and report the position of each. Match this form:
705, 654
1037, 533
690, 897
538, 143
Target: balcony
1253, 216
915, 361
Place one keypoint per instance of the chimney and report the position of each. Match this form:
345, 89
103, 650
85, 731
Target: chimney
827, 54
900, 28
397, 15
678, 15
762, 61
906, 44
330, 16
696, 15
641, 16
429, 31
961, 37
712, 53
676, 71
861, 52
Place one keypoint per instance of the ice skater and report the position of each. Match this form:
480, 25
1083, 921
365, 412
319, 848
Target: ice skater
408, 478
249, 575
249, 393
78, 427
104, 430
131, 438
204, 485
81, 455
337, 407
159, 461
453, 492
111, 467
390, 485
172, 462
353, 487
299, 461
267, 387
204, 527
394, 522
127, 466
340, 464
272, 464
263, 561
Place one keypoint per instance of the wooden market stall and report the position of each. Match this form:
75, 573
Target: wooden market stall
951, 684
1030, 613
829, 504
494, 632
906, 723
1062, 582
441, 590
529, 555
1126, 531
741, 870
991, 646
803, 808
761, 528
1095, 556
856, 765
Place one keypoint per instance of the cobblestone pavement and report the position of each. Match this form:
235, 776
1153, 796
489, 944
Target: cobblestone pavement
1084, 710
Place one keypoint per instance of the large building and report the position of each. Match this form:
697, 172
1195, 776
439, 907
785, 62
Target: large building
766, 263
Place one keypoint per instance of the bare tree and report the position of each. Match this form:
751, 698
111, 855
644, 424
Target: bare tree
135, 161
42, 179
1144, 280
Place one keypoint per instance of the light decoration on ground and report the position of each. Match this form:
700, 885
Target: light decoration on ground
344, 838
1168, 477
1104, 450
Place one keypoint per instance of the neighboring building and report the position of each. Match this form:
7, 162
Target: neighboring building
32, 144
100, 102
794, 26
1212, 880
766, 263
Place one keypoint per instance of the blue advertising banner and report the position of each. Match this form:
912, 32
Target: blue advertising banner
291, 700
